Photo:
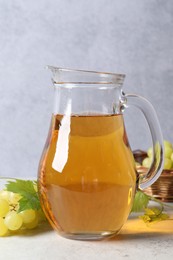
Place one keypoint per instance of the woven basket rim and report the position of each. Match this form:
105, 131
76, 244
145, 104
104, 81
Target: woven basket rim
165, 173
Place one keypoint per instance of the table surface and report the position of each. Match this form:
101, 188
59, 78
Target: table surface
135, 241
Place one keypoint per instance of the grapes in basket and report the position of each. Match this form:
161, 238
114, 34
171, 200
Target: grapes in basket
168, 156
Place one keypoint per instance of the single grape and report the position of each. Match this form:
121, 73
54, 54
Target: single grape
4, 207
168, 151
147, 162
150, 152
3, 228
32, 224
13, 221
172, 157
167, 164
137, 164
28, 216
11, 197
167, 144
14, 197
4, 194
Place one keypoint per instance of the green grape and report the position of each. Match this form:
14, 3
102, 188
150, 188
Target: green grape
168, 151
147, 162
28, 216
14, 197
3, 228
13, 221
167, 164
11, 197
4, 194
137, 164
4, 207
172, 157
150, 152
32, 224
167, 144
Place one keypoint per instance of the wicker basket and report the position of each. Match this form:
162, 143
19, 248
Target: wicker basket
162, 189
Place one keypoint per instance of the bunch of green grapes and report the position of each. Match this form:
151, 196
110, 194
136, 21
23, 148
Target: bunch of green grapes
168, 158
11, 220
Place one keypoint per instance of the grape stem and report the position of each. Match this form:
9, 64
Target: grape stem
162, 204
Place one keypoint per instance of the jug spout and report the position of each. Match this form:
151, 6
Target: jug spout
72, 76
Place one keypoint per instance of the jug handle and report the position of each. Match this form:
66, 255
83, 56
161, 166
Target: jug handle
149, 113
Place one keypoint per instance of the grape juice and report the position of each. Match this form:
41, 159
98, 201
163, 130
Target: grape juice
87, 175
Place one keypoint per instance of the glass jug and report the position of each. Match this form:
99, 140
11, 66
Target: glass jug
87, 177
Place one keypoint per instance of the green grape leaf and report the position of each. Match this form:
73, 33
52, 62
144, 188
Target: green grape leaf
25, 188
141, 201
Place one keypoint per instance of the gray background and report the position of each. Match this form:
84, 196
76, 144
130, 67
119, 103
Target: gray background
132, 37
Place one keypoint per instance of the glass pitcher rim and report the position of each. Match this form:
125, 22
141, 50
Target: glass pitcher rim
102, 77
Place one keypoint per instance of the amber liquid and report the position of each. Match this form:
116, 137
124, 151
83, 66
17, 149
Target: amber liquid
87, 176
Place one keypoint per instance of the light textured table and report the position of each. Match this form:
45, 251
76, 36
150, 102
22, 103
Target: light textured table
136, 241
